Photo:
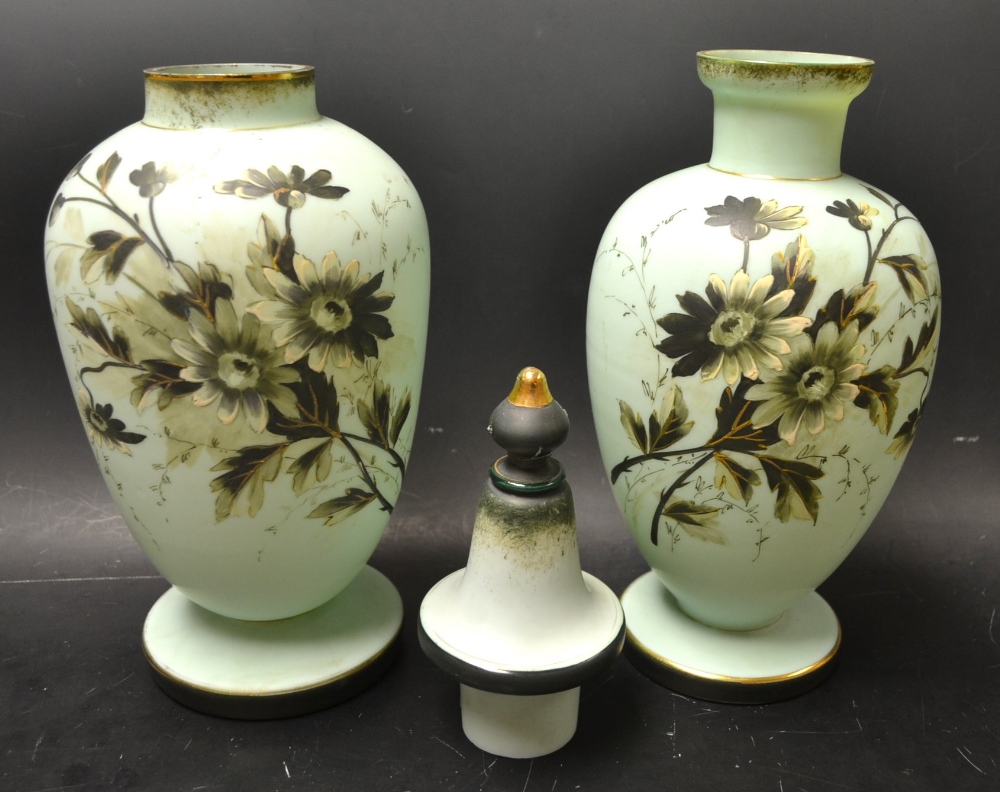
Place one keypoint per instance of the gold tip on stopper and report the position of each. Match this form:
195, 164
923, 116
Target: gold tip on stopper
531, 389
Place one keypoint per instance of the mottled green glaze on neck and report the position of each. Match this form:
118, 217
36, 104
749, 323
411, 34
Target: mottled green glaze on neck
230, 96
781, 115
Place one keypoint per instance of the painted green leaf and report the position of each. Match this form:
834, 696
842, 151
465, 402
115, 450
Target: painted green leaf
383, 417
57, 206
669, 423
877, 394
633, 425
854, 305
247, 472
696, 519
735, 430
111, 248
317, 460
399, 415
339, 509
793, 270
90, 325
909, 270
329, 192
879, 195
734, 478
914, 352
160, 382
107, 169
904, 438
792, 480
376, 416
284, 258
317, 406
204, 287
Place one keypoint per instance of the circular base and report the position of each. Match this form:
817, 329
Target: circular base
519, 727
777, 662
274, 669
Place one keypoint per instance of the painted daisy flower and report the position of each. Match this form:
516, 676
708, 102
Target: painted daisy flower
858, 215
815, 384
289, 190
235, 367
103, 428
751, 218
333, 313
738, 331
151, 180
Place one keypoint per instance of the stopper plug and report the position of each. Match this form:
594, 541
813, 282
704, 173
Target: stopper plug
522, 626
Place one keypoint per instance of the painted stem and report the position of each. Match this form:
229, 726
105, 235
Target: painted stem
397, 460
364, 473
630, 462
874, 254
156, 230
871, 259
132, 224
667, 494
99, 369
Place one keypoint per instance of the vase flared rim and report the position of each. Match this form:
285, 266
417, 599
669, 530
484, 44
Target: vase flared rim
785, 59
780, 72
230, 72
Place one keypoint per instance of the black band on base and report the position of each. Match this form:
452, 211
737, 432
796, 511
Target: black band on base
278, 705
521, 683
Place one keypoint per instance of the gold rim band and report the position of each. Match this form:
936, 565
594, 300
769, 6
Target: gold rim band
777, 178
230, 72
710, 677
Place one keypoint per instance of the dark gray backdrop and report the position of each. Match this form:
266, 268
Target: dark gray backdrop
524, 125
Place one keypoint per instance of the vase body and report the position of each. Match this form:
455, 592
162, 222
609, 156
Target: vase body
240, 288
761, 337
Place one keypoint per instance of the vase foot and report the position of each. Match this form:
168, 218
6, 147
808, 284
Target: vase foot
274, 669
777, 662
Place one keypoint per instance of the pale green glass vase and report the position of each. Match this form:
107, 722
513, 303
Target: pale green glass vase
761, 337
240, 288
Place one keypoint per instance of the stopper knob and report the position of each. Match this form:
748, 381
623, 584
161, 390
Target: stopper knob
529, 425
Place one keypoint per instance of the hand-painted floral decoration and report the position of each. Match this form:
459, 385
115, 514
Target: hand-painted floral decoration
254, 370
792, 370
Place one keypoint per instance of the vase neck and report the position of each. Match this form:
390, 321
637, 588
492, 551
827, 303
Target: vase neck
780, 115
230, 96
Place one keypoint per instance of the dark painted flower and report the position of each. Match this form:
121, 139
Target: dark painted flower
152, 180
103, 428
751, 219
815, 384
288, 190
235, 367
333, 314
736, 332
858, 215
